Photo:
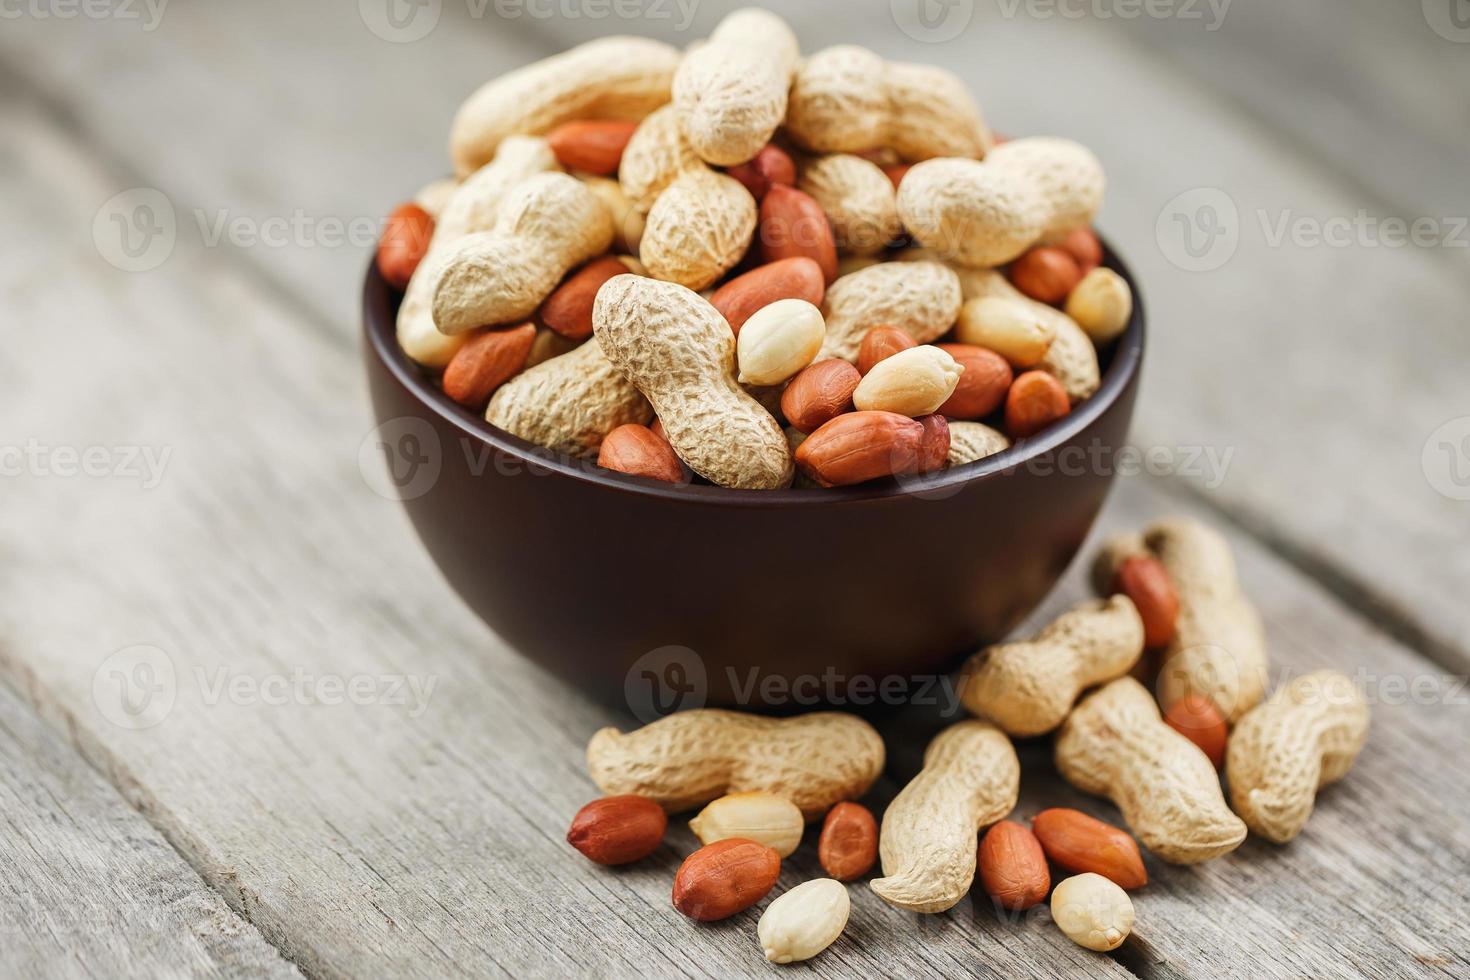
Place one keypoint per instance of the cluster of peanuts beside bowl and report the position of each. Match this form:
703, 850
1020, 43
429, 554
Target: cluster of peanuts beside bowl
739, 266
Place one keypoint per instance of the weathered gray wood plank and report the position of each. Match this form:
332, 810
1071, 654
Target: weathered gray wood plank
90, 889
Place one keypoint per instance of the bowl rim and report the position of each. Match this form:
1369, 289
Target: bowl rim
380, 329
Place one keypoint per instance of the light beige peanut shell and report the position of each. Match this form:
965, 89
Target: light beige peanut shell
628, 221
698, 229
1028, 687
927, 843
471, 208
984, 214
568, 403
846, 99
611, 78
547, 224
655, 157
1068, 176
730, 92
921, 299
913, 382
971, 441
1116, 744
971, 213
1219, 646
1306, 736
676, 349
435, 194
693, 757
548, 344
858, 199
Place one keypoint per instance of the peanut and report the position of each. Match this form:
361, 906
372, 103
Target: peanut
881, 342
913, 382
1035, 400
1078, 843
403, 245
548, 344
759, 816
569, 403
434, 195
1197, 719
796, 278
1219, 647
1011, 329
1282, 752
792, 224
861, 446
971, 778
730, 92
1145, 580
696, 756
568, 310
1027, 688
698, 229
933, 445
655, 157
779, 340
618, 829
485, 362
639, 451
1046, 273
848, 845
594, 146
804, 921
471, 208
988, 213
846, 99
971, 441
1013, 867
1093, 912
857, 198
628, 221
983, 385
922, 300
772, 165
818, 394
610, 78
1115, 744
724, 878
1082, 245
546, 225
679, 352
1102, 304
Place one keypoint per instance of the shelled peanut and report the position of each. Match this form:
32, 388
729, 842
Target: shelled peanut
762, 181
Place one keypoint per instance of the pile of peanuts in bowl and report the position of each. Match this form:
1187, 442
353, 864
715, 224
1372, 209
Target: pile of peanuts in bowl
743, 267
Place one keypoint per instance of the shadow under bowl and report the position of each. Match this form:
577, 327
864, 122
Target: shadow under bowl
656, 597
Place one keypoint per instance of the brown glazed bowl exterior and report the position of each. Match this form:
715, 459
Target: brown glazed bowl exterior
656, 596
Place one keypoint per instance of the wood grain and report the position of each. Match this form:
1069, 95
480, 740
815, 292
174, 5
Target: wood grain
90, 889
424, 838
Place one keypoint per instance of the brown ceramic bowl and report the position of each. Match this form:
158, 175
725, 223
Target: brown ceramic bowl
657, 596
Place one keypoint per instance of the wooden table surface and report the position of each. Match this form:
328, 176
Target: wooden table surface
222, 543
